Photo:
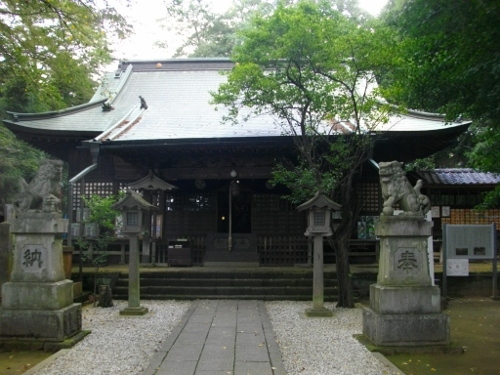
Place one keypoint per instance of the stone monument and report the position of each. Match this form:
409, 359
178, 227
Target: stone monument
405, 308
37, 302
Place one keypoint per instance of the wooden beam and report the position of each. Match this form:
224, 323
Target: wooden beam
220, 173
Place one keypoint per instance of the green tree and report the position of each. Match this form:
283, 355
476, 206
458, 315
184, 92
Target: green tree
310, 66
104, 216
49, 52
207, 33
449, 63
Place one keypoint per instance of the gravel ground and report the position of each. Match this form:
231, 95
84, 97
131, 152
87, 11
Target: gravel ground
322, 346
118, 345
124, 345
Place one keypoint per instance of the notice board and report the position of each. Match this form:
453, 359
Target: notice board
470, 241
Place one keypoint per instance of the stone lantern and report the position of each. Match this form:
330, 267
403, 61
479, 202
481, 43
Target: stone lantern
319, 214
134, 211
150, 185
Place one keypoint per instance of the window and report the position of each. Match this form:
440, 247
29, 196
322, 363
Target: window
319, 219
132, 219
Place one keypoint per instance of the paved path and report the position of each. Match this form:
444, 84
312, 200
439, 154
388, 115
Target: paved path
220, 337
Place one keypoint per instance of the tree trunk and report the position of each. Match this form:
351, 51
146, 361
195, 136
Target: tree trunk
346, 298
350, 209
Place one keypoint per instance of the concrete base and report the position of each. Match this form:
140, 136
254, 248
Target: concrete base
405, 300
318, 313
405, 308
452, 348
37, 296
48, 325
77, 289
406, 329
134, 311
8, 344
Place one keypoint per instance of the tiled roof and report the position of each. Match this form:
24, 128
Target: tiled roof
177, 93
459, 176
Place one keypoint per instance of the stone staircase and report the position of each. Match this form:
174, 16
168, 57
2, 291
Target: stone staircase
241, 283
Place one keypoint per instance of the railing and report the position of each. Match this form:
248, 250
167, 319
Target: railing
273, 250
282, 250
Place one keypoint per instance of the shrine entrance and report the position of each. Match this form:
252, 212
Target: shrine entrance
238, 209
234, 242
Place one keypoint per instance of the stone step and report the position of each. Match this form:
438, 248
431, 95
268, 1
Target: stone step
241, 273
216, 290
227, 282
262, 285
263, 297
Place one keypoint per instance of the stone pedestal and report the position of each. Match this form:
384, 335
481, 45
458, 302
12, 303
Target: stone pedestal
405, 308
318, 309
6, 253
134, 288
37, 303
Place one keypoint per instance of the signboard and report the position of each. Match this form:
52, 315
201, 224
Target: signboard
435, 211
457, 267
470, 241
464, 242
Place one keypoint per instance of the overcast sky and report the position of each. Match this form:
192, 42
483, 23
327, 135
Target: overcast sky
144, 15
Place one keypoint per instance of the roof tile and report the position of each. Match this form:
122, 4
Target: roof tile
459, 176
179, 107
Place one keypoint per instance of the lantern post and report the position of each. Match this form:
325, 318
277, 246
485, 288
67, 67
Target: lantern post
135, 211
319, 210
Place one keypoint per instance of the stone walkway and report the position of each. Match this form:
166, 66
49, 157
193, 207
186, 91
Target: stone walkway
217, 337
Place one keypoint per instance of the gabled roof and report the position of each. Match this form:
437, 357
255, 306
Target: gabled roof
133, 200
458, 176
177, 93
151, 182
321, 201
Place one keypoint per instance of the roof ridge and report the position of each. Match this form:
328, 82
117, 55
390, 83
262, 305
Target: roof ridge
188, 64
459, 176
20, 116
456, 170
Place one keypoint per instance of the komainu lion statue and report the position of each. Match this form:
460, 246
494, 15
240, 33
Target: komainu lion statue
44, 191
397, 190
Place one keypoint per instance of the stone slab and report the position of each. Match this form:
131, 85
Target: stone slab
37, 296
6, 252
55, 325
403, 261
406, 329
252, 368
405, 299
318, 313
403, 226
217, 357
38, 258
77, 288
24, 344
247, 346
452, 348
134, 311
251, 348
177, 367
39, 223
